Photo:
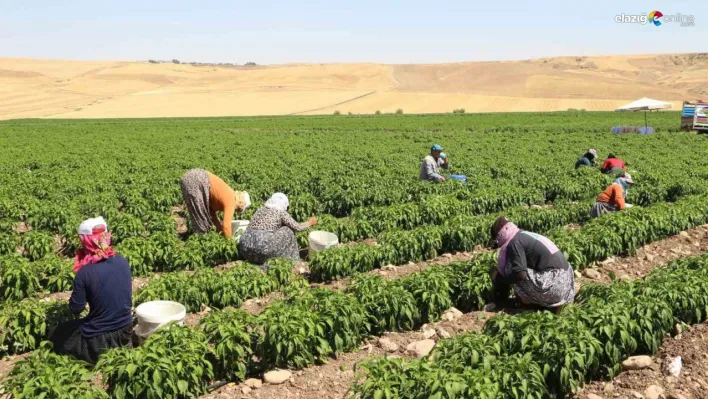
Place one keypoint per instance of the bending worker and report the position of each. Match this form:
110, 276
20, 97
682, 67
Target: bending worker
533, 265
103, 281
205, 194
588, 159
271, 233
614, 196
430, 167
613, 165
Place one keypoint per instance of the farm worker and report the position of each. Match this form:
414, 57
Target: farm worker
612, 165
588, 159
533, 265
103, 281
430, 167
613, 198
205, 194
271, 232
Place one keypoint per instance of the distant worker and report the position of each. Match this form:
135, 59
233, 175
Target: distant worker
613, 165
588, 159
430, 167
533, 266
271, 233
103, 282
204, 194
613, 198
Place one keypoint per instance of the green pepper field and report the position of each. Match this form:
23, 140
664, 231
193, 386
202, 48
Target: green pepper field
359, 176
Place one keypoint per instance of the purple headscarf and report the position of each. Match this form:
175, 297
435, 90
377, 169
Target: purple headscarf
509, 231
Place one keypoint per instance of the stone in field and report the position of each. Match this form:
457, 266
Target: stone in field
253, 383
277, 376
388, 345
654, 392
428, 332
451, 314
421, 348
637, 363
592, 274
442, 333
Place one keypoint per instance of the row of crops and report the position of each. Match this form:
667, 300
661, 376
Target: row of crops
528, 355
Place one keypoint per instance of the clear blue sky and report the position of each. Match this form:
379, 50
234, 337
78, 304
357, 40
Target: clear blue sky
268, 32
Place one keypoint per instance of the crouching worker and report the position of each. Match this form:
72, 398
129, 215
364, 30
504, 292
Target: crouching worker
271, 232
103, 281
533, 266
588, 159
613, 198
204, 194
430, 167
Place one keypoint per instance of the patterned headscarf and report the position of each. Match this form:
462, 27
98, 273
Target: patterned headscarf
278, 201
96, 241
505, 231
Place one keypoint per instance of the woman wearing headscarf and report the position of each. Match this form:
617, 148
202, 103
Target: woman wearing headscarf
271, 232
614, 196
533, 266
588, 159
613, 165
205, 194
103, 282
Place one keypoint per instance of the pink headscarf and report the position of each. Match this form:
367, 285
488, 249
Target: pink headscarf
97, 247
509, 231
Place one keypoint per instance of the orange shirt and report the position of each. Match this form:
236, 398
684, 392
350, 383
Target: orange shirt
613, 195
221, 198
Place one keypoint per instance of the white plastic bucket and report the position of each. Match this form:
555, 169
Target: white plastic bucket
238, 227
321, 240
155, 314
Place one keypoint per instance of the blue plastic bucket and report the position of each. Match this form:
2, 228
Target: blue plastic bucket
461, 178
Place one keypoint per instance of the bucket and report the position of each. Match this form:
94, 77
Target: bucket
321, 240
461, 178
238, 227
155, 314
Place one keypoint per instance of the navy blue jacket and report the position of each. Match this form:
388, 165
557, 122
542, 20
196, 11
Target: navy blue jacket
107, 288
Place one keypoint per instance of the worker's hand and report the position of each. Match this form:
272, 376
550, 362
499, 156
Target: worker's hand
442, 179
312, 221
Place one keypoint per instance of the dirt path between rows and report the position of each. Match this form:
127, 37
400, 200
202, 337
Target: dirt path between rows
692, 382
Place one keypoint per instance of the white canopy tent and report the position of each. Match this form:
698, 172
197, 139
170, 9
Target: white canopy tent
644, 104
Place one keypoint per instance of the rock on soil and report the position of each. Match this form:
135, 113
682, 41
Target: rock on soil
421, 348
277, 376
388, 345
428, 332
592, 274
451, 314
654, 392
442, 333
253, 383
637, 363
593, 396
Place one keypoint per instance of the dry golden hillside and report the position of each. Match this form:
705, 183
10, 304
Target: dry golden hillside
80, 89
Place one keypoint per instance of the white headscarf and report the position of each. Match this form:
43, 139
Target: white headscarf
278, 201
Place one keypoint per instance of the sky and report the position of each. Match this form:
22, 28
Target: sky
295, 31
